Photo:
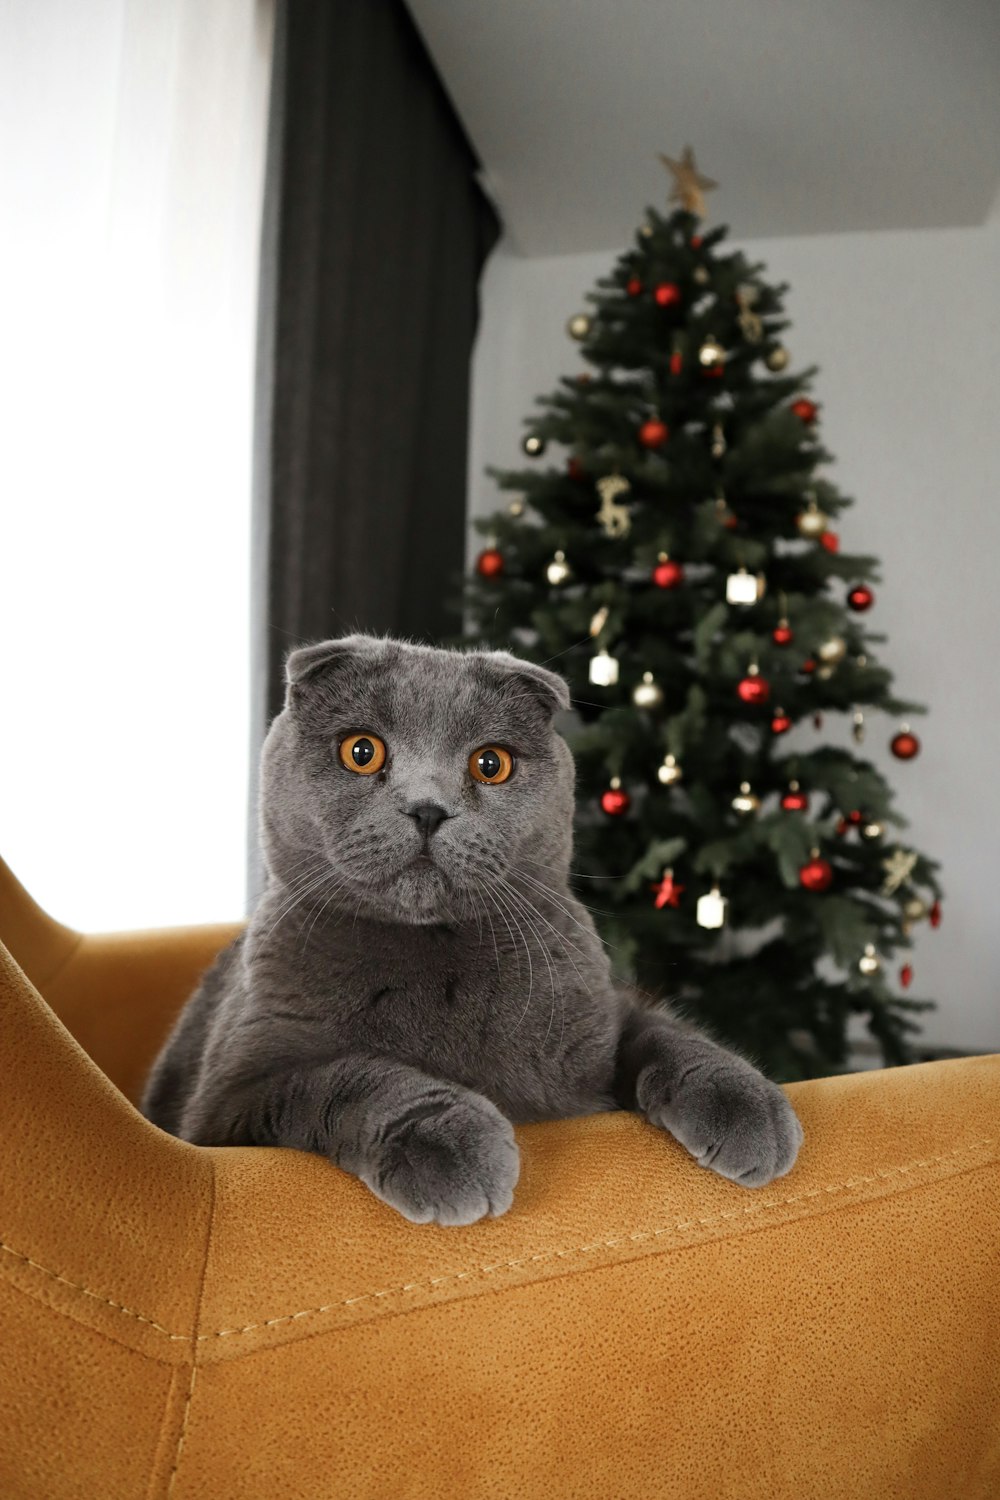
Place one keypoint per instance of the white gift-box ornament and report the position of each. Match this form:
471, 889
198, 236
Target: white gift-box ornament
604, 669
744, 587
712, 909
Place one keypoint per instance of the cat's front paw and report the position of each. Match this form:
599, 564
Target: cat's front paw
452, 1166
730, 1117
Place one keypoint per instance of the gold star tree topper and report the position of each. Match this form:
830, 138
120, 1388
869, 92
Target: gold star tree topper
689, 186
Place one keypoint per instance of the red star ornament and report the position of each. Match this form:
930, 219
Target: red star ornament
668, 892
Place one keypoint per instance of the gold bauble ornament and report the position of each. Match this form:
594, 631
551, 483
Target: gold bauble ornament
914, 910
812, 522
832, 651
869, 963
517, 508
711, 352
702, 275
777, 358
559, 570
578, 326
533, 445
669, 773
873, 830
718, 446
647, 693
745, 802
858, 727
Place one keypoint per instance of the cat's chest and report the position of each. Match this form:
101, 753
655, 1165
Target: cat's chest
428, 988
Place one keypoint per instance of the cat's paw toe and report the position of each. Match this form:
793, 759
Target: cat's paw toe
732, 1119
453, 1166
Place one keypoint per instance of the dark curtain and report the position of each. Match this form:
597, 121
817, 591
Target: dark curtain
375, 232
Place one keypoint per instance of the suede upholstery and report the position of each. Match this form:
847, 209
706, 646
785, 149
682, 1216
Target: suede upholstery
203, 1324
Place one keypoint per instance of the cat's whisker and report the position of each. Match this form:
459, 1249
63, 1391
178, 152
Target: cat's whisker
561, 937
331, 896
496, 950
543, 949
567, 941
525, 902
558, 899
601, 910
493, 896
292, 895
527, 953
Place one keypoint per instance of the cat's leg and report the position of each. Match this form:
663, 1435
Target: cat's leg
721, 1109
431, 1149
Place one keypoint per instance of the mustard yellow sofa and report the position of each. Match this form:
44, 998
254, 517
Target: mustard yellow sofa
204, 1324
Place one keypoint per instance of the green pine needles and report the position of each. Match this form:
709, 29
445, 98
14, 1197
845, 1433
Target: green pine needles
701, 712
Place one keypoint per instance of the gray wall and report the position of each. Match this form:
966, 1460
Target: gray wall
903, 326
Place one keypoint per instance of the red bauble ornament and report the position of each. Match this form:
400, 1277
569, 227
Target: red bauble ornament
842, 826
574, 468
654, 433
668, 574
906, 976
490, 563
934, 915
696, 242
830, 540
753, 688
817, 875
808, 666
795, 801
807, 411
782, 635
633, 286
715, 372
676, 362
904, 745
615, 802
780, 724
860, 598
668, 892
855, 817
667, 294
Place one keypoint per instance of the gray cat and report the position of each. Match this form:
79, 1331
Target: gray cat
418, 974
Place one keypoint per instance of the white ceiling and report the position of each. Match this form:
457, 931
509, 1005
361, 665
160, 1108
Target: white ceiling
816, 116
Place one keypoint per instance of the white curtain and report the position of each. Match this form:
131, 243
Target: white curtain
132, 135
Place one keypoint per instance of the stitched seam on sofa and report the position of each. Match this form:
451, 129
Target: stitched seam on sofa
195, 1335
634, 1237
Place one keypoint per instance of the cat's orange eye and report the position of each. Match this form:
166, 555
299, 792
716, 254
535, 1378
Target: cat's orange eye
364, 753
491, 764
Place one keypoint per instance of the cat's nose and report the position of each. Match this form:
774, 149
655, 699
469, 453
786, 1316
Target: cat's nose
428, 816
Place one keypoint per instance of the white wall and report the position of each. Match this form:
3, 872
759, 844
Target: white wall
903, 327
133, 148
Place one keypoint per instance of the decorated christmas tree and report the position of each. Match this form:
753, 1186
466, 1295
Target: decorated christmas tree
672, 550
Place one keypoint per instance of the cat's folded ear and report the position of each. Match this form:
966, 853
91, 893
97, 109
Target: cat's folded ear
551, 690
306, 662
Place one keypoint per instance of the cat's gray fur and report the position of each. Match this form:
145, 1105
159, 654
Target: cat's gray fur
400, 997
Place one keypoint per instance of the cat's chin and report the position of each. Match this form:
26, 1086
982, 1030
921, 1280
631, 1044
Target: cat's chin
419, 896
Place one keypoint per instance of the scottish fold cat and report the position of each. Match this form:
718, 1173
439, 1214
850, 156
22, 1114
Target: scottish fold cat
418, 974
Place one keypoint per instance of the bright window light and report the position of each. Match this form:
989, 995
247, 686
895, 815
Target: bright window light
134, 140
